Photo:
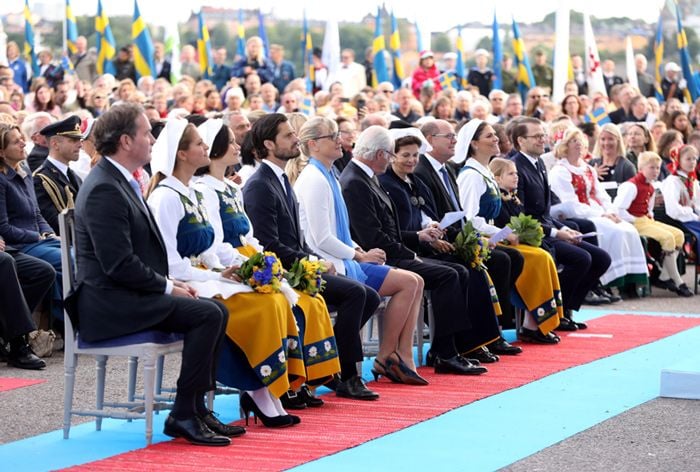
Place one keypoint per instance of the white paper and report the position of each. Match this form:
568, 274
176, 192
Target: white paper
451, 217
588, 235
500, 235
222, 287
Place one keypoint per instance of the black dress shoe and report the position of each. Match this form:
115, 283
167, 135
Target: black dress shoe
23, 357
194, 431
504, 348
665, 284
537, 337
565, 324
309, 398
684, 291
613, 298
593, 298
217, 427
292, 401
457, 365
483, 355
355, 388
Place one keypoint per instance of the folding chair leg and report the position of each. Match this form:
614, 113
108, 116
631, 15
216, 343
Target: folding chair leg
160, 365
149, 375
69, 379
133, 368
210, 399
100, 389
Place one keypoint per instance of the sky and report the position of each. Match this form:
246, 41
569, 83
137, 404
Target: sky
430, 18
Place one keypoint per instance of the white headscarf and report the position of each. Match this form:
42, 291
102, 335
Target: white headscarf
398, 133
208, 131
165, 149
464, 139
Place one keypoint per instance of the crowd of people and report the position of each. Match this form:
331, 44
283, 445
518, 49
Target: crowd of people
176, 185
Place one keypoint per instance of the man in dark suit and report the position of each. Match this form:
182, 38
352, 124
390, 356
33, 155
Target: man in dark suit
161, 63
583, 263
55, 184
33, 125
122, 285
274, 213
374, 223
505, 264
25, 282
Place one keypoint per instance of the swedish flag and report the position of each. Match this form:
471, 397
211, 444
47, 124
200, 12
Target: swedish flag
67, 65
106, 46
204, 48
497, 54
395, 46
263, 34
524, 78
306, 106
691, 92
449, 80
240, 40
143, 45
461, 73
379, 71
29, 50
659, 58
71, 29
598, 116
308, 49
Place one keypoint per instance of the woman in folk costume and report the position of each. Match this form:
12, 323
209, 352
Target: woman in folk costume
635, 203
265, 353
577, 186
233, 240
326, 225
682, 193
537, 288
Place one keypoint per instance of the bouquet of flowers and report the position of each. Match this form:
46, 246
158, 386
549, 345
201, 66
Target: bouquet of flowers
305, 276
262, 272
528, 229
471, 247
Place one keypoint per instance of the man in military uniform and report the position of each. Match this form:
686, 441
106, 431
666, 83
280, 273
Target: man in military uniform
55, 184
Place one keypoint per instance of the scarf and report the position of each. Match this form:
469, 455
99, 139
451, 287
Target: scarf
342, 221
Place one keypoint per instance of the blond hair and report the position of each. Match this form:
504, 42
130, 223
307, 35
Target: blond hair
615, 131
562, 149
646, 158
498, 165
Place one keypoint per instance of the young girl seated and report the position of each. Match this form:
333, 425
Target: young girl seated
635, 203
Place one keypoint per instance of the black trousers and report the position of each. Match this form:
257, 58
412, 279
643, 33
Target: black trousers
25, 282
505, 266
203, 322
583, 265
355, 303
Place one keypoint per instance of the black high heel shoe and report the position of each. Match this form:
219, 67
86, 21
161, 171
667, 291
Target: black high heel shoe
386, 370
404, 373
248, 405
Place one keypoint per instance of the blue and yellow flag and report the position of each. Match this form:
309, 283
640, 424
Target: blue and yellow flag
106, 46
306, 106
307, 47
71, 29
524, 78
262, 33
419, 37
460, 69
29, 50
240, 39
395, 46
691, 92
598, 116
379, 71
142, 45
67, 65
449, 80
497, 55
659, 58
204, 48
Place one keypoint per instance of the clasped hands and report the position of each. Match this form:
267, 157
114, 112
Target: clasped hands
373, 256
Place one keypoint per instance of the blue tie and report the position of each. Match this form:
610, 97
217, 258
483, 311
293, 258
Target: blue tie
446, 180
137, 190
290, 193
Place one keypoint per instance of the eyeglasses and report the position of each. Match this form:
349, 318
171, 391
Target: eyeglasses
538, 137
332, 137
391, 154
387, 91
449, 136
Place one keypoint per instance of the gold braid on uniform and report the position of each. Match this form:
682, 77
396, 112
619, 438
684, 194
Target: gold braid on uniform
54, 193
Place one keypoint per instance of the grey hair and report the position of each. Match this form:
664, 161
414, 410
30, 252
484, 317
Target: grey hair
373, 139
30, 125
312, 129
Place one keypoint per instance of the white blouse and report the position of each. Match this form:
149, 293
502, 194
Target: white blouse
472, 185
561, 183
626, 194
247, 171
674, 193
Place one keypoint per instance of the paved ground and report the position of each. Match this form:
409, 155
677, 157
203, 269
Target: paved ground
659, 435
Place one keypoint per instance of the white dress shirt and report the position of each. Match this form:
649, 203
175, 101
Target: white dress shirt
673, 190
626, 194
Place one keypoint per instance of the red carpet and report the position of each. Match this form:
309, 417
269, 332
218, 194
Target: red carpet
11, 383
320, 433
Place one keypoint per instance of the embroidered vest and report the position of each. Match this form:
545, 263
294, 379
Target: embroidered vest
234, 222
194, 233
640, 205
579, 183
490, 200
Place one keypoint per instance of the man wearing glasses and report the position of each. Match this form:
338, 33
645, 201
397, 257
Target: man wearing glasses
583, 263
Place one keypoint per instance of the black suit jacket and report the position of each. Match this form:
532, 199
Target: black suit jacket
534, 193
54, 192
274, 224
443, 202
165, 71
373, 218
37, 157
121, 259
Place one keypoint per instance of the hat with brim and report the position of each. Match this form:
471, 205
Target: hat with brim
69, 128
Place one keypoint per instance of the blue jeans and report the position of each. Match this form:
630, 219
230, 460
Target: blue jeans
49, 250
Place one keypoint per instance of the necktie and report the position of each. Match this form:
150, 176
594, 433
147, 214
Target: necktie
290, 193
446, 180
72, 178
137, 190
